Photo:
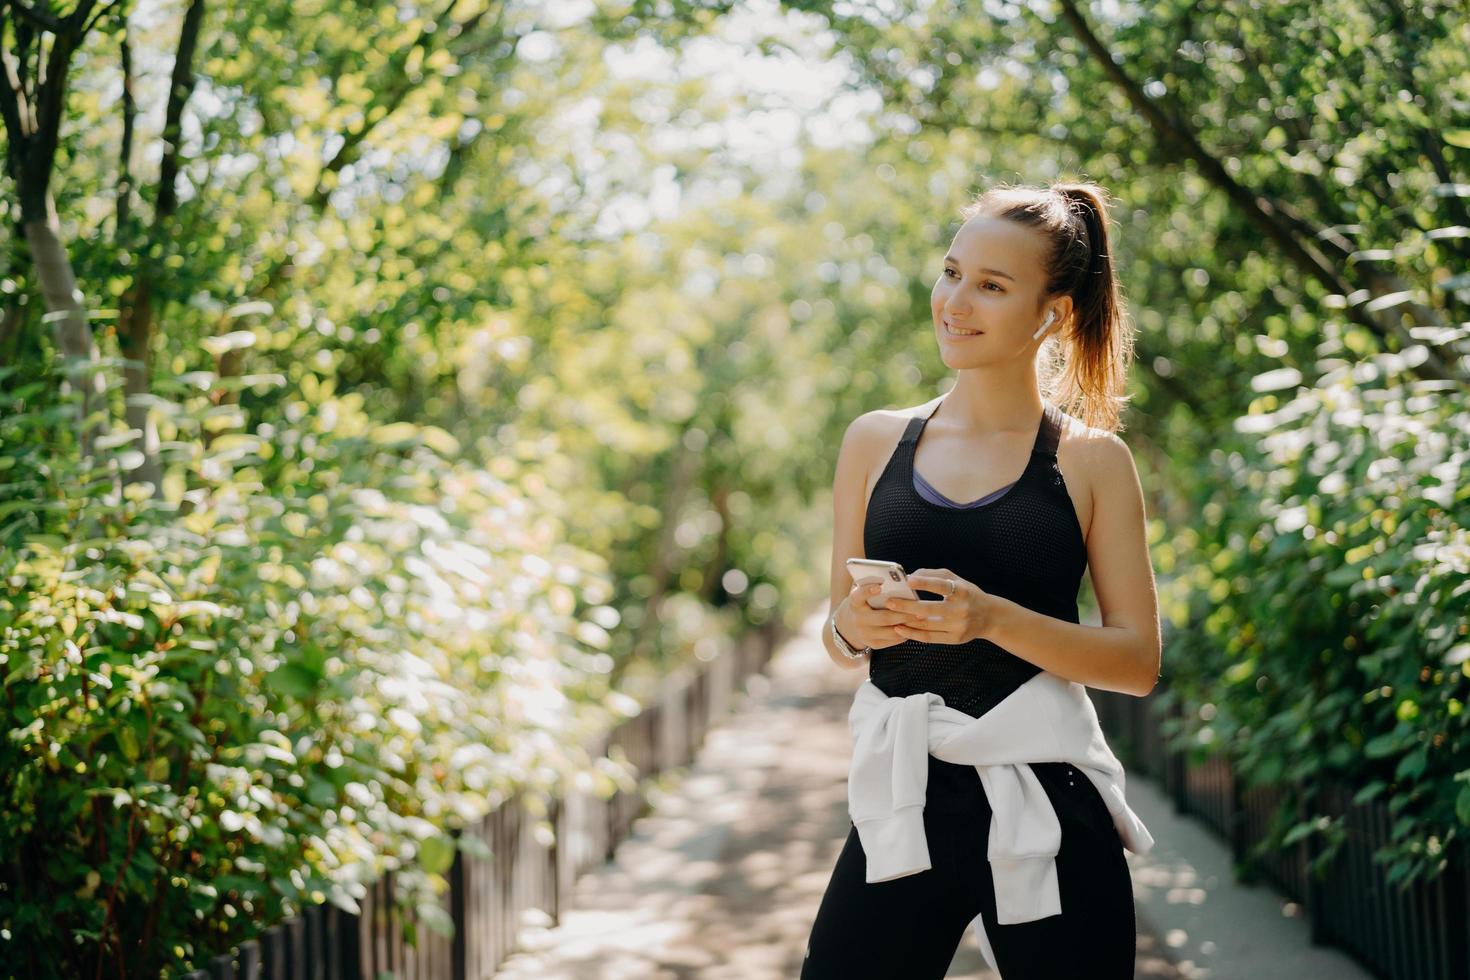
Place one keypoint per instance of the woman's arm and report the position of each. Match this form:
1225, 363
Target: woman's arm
1124, 654
849, 488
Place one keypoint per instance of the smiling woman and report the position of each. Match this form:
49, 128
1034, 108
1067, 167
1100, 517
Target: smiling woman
1050, 495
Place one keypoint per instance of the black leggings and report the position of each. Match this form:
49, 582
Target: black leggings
909, 928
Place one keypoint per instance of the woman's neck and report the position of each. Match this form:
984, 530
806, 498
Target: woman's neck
986, 405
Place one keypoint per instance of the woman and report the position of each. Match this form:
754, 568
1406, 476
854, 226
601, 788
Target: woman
995, 502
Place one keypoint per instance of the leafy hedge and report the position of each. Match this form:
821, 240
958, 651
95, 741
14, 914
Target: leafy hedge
1328, 582
297, 669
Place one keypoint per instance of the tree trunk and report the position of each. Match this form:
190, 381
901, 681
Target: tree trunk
136, 318
69, 319
31, 109
10, 324
135, 336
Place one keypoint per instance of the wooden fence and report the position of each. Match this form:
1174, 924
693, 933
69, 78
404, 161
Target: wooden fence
1418, 932
488, 900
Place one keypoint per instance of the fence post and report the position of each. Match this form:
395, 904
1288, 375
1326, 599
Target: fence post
315, 947
1234, 811
1175, 761
671, 735
1153, 722
1457, 909
727, 666
249, 960
349, 944
612, 806
557, 819
273, 945
1306, 801
457, 952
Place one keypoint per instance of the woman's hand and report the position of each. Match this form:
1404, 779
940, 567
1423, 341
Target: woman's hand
959, 617
863, 626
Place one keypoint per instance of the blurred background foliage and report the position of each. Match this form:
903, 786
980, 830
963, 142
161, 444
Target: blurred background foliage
391, 394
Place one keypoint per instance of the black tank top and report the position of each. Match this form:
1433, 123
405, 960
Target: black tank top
1025, 545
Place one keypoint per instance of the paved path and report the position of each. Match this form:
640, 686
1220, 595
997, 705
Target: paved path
723, 879
1214, 928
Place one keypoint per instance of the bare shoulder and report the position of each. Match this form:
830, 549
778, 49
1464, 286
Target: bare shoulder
1095, 463
880, 429
873, 437
1093, 451
901, 416
1114, 460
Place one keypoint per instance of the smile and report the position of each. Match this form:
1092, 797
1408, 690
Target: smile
957, 332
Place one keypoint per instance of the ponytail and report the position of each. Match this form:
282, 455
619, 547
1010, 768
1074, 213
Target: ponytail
1086, 373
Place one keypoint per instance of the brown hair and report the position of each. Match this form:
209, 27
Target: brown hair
1088, 375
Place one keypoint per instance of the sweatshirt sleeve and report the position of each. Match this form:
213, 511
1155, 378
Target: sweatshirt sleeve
887, 784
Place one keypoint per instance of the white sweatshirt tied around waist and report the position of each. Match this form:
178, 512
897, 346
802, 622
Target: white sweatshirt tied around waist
1047, 719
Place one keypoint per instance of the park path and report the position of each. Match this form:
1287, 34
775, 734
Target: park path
721, 881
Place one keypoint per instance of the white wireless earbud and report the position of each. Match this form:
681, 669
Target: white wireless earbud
1042, 329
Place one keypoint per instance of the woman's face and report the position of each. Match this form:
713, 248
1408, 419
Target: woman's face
990, 282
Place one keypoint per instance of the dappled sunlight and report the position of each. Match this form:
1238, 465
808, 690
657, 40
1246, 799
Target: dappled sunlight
737, 852
1179, 883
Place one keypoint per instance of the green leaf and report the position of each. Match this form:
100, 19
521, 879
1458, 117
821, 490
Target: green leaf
1462, 805
1369, 792
436, 854
1457, 137
314, 659
1299, 831
322, 793
127, 739
1412, 765
436, 919
1383, 745
293, 680
440, 441
474, 847
396, 433
224, 343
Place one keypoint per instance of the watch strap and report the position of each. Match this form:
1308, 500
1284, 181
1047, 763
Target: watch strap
842, 644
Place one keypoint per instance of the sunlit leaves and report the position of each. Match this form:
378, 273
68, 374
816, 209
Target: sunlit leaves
286, 681
1351, 629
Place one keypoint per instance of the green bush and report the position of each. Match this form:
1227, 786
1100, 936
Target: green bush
1327, 583
323, 646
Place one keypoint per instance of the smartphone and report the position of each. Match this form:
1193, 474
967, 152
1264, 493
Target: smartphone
866, 571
